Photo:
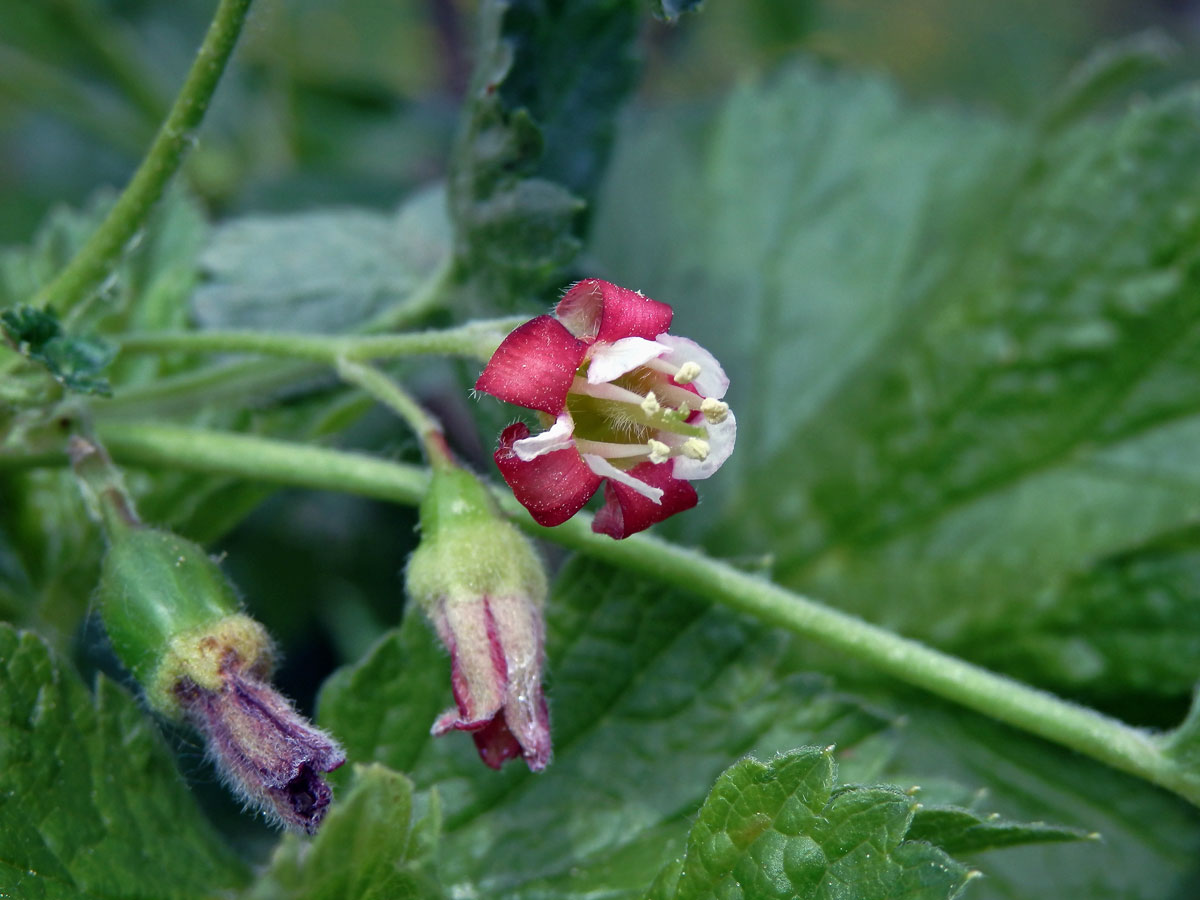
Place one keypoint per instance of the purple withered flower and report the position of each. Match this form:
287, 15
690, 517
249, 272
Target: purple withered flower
269, 754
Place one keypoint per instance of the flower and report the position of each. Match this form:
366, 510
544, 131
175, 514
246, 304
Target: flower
268, 753
480, 583
625, 404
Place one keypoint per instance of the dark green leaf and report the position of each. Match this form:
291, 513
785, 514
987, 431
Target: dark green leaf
535, 137
970, 351
75, 362
963, 831
368, 848
326, 271
651, 695
90, 803
780, 829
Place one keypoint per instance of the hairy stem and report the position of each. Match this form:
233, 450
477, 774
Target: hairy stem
403, 404
477, 340
1038, 712
95, 258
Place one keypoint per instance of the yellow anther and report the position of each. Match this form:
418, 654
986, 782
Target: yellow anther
694, 448
687, 373
659, 452
651, 406
715, 411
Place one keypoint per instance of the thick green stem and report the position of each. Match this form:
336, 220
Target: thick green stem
477, 340
95, 259
1043, 714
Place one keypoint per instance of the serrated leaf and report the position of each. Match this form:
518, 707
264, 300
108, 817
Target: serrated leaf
75, 362
327, 271
535, 137
91, 805
368, 848
964, 354
958, 830
781, 829
1147, 836
652, 695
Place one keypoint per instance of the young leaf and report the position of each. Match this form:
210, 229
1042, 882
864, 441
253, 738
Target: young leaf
780, 829
368, 848
75, 362
535, 137
971, 349
90, 802
652, 695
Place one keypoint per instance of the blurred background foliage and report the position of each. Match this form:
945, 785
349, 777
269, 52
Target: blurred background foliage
354, 102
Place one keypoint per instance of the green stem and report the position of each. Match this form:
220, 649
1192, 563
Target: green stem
477, 340
242, 380
92, 263
403, 404
1038, 712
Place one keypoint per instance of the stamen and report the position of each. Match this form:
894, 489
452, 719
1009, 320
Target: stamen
651, 406
694, 448
659, 452
687, 373
715, 411
605, 391
610, 449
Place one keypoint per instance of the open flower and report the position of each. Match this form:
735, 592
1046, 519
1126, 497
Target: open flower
624, 404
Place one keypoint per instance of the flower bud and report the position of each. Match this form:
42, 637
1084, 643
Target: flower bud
174, 621
481, 584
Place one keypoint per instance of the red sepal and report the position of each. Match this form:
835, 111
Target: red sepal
553, 487
606, 312
533, 366
495, 743
627, 512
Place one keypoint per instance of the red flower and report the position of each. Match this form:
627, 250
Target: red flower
625, 404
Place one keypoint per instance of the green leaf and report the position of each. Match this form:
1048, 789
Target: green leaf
652, 695
327, 271
535, 137
1148, 838
963, 354
958, 830
91, 805
368, 848
780, 829
75, 362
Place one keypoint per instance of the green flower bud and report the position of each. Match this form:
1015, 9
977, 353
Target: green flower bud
481, 584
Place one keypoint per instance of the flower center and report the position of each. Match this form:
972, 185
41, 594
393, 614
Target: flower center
644, 414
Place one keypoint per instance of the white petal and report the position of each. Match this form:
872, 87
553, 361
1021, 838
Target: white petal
712, 381
559, 436
605, 469
721, 438
613, 360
